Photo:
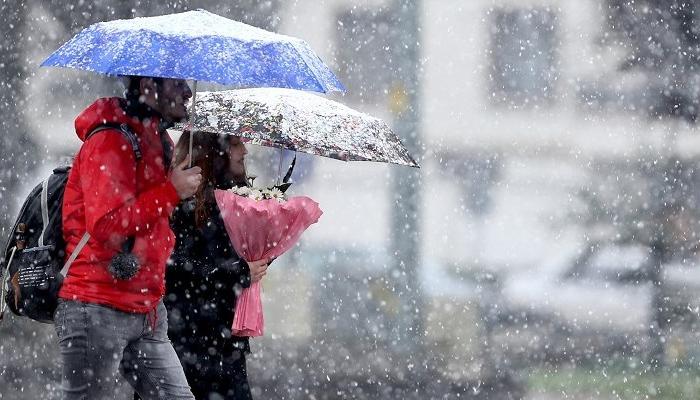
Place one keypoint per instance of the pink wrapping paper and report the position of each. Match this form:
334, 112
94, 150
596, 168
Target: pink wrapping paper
261, 229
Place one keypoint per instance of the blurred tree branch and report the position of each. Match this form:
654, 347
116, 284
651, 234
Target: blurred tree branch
662, 40
649, 203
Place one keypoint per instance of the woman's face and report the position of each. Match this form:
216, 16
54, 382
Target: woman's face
236, 155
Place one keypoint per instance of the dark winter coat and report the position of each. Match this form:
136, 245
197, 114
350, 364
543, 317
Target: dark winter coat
203, 279
113, 197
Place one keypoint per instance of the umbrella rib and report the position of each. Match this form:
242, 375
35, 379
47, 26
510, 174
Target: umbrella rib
302, 55
122, 51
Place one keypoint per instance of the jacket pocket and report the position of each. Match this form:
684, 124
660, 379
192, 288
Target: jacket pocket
69, 317
58, 319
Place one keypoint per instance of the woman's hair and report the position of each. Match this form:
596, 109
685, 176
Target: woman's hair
210, 153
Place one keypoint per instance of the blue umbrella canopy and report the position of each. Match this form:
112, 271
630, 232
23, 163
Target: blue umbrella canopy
197, 45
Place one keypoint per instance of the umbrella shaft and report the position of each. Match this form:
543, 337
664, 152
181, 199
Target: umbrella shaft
192, 115
279, 168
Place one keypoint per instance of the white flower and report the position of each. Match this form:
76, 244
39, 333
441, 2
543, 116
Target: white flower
260, 193
278, 195
256, 194
241, 191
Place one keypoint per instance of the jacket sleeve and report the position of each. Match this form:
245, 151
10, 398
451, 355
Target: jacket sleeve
113, 210
230, 266
235, 270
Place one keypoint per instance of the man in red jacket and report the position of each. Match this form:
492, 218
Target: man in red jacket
107, 324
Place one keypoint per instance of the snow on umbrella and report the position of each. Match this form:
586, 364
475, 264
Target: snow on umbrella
196, 45
299, 121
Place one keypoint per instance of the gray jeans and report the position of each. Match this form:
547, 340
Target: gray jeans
98, 343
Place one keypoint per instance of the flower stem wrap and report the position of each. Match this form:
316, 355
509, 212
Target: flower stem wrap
261, 230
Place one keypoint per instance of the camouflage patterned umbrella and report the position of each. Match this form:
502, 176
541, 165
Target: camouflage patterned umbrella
299, 121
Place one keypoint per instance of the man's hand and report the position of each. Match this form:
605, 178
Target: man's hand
258, 269
186, 180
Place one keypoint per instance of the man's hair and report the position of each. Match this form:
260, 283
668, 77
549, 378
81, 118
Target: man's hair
133, 87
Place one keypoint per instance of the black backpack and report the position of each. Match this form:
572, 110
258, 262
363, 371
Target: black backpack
33, 269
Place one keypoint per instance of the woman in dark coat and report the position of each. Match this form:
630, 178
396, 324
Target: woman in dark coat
206, 275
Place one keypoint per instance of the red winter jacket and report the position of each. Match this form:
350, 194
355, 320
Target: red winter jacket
113, 197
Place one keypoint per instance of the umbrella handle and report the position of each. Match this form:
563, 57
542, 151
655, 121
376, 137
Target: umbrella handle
191, 119
285, 184
288, 175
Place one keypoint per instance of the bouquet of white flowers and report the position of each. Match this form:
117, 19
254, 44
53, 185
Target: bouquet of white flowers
260, 194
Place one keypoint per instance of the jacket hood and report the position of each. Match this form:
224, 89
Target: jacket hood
116, 110
107, 110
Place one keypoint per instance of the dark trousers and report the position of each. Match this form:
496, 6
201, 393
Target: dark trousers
217, 376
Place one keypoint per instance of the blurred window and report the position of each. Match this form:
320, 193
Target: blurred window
363, 56
523, 57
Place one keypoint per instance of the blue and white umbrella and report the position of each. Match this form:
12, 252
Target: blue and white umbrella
197, 45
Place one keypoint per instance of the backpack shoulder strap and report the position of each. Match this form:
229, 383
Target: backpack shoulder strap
74, 254
126, 132
131, 137
4, 284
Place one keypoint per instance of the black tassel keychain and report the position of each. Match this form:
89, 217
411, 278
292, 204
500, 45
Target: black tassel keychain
124, 265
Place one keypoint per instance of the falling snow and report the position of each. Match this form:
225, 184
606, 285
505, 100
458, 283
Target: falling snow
546, 249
